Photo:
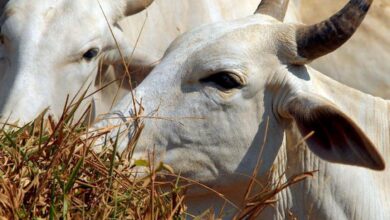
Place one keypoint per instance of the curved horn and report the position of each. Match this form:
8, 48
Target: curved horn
274, 8
135, 6
322, 38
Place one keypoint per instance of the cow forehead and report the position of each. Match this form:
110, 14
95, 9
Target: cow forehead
60, 11
40, 6
216, 33
37, 24
221, 43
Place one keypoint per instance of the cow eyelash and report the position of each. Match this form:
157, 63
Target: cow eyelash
225, 80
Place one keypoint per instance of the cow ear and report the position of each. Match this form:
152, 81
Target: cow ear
135, 6
120, 48
336, 137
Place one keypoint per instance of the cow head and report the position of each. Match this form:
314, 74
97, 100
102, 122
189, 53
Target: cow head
222, 88
50, 49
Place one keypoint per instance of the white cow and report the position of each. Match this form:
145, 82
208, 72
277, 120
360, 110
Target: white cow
50, 49
219, 88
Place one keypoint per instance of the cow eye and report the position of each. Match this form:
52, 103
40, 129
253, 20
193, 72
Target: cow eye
1, 36
224, 80
90, 54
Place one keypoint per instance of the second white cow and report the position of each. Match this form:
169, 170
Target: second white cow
49, 49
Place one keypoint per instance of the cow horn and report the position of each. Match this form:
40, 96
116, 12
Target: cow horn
274, 8
316, 40
135, 6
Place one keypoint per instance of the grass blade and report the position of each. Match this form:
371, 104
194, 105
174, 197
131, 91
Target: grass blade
73, 176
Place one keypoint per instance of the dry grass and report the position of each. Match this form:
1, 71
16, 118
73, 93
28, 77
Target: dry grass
48, 170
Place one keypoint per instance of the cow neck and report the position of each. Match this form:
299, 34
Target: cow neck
339, 191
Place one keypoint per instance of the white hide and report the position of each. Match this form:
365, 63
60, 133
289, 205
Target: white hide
42, 49
214, 135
